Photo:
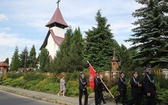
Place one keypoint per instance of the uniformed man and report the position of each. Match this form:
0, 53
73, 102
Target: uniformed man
149, 86
122, 88
98, 88
142, 90
135, 88
83, 89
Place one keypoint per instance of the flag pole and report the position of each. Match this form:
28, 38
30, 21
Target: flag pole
91, 65
107, 89
103, 83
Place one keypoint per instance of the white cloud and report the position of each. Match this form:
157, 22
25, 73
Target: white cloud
5, 29
11, 40
3, 17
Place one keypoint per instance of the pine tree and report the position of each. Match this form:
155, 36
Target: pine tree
32, 57
24, 59
99, 47
61, 61
7, 61
76, 51
150, 36
44, 60
14, 66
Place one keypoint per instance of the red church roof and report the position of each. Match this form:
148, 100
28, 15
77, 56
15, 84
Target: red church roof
58, 40
3, 64
57, 19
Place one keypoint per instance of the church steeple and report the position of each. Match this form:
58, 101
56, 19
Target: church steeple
57, 19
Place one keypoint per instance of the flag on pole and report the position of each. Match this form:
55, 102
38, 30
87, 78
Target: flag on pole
92, 74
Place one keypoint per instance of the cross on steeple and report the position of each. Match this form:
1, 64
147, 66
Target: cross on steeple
58, 3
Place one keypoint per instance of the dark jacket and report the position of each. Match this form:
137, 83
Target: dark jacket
82, 83
142, 82
97, 84
121, 84
134, 85
149, 83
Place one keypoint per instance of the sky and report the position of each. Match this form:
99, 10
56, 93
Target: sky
22, 22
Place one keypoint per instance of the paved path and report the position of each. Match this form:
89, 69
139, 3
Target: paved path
48, 97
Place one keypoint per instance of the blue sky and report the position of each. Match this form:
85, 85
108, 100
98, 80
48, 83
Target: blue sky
22, 22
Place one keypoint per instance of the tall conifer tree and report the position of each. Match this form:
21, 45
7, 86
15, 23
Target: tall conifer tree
44, 60
150, 36
99, 47
76, 50
14, 66
32, 57
61, 61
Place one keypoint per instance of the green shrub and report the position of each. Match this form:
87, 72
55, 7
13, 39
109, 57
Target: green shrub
72, 88
33, 76
46, 86
162, 96
75, 75
18, 82
12, 75
7, 81
30, 84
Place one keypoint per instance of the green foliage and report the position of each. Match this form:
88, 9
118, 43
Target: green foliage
13, 75
32, 57
46, 86
99, 44
61, 61
70, 53
31, 84
24, 59
114, 91
163, 96
17, 82
33, 76
15, 60
44, 60
72, 88
161, 81
150, 35
7, 81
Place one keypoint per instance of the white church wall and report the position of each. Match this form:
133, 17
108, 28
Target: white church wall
52, 47
58, 31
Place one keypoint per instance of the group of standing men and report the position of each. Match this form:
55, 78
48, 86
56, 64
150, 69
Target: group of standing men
98, 89
140, 87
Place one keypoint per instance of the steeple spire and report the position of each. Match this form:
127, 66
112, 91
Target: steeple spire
57, 19
58, 3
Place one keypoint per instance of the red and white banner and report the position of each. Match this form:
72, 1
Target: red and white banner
92, 74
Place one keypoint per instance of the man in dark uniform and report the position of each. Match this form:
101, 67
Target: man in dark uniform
149, 86
142, 90
135, 89
122, 88
83, 89
98, 88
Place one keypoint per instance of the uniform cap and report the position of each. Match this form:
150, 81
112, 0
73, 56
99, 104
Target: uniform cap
122, 72
82, 72
148, 67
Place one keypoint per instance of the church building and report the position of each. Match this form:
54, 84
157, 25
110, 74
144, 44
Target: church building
56, 33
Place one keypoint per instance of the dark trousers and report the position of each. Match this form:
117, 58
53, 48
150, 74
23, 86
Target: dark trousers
98, 97
134, 99
151, 100
102, 97
81, 92
123, 96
